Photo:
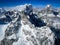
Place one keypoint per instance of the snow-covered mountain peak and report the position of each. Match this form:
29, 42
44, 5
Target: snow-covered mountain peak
23, 25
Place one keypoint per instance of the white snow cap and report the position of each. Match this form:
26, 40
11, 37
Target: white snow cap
48, 6
19, 7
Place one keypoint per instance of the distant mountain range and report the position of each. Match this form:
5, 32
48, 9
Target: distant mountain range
29, 25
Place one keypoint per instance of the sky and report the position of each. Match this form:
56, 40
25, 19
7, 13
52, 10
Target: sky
10, 3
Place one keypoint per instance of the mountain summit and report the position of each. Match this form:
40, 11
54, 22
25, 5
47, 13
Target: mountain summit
26, 25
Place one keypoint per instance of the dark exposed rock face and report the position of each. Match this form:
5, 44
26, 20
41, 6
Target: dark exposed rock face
57, 37
36, 21
33, 18
7, 18
55, 13
28, 10
13, 28
29, 29
7, 41
57, 41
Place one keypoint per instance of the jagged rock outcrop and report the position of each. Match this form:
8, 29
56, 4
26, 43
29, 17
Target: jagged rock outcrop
28, 28
11, 31
28, 10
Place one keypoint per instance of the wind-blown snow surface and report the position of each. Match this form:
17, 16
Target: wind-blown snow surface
2, 31
22, 30
34, 36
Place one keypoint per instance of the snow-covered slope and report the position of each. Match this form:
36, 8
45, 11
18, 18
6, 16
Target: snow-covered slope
29, 28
